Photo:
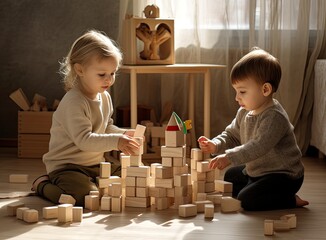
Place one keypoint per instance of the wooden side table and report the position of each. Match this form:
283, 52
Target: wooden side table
192, 69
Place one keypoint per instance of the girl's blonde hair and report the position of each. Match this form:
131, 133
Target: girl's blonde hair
92, 43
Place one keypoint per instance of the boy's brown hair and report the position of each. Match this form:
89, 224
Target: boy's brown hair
258, 65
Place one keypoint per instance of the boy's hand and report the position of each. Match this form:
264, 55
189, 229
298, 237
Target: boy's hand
128, 145
207, 145
220, 162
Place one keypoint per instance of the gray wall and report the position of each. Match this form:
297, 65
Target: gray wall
34, 36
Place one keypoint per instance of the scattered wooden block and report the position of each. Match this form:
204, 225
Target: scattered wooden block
20, 212
142, 202
30, 216
106, 203
163, 172
105, 170
268, 227
77, 214
229, 204
209, 211
65, 198
12, 208
18, 178
187, 210
50, 212
173, 151
92, 202
223, 186
65, 213
116, 204
174, 138
281, 225
141, 171
291, 218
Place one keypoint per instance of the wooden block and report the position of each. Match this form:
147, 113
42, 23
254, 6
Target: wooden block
291, 218
30, 216
182, 180
139, 131
198, 176
229, 204
181, 201
65, 213
180, 170
116, 204
157, 132
20, 212
174, 138
223, 186
162, 203
268, 227
12, 208
140, 150
18, 178
65, 198
164, 183
199, 186
142, 202
211, 176
130, 181
77, 214
173, 151
142, 182
142, 171
92, 202
202, 166
142, 192
179, 161
106, 203
136, 160
209, 187
182, 191
170, 192
163, 172
167, 162
50, 212
157, 192
96, 193
201, 205
130, 191
281, 225
116, 189
125, 161
196, 154
103, 182
19, 97
187, 210
209, 211
105, 170
215, 198
202, 197
153, 166
114, 179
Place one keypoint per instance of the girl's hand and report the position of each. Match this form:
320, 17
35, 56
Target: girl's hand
128, 145
207, 145
130, 132
220, 162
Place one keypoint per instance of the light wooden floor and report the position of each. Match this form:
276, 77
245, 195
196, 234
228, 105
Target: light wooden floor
136, 223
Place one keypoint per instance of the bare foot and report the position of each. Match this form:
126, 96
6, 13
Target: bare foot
300, 202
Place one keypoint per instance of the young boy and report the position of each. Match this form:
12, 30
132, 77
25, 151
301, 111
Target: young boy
259, 143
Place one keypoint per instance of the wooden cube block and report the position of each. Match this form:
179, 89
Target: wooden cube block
198, 176
182, 180
20, 212
179, 161
281, 225
130, 191
201, 205
142, 171
106, 203
136, 160
157, 192
291, 218
130, 181
202, 197
211, 176
163, 172
116, 204
215, 198
196, 154
202, 166
198, 186
142, 182
153, 166
187, 210
116, 189
77, 214
50, 212
18, 178
30, 216
65, 198
105, 170
162, 203
170, 192
114, 179
209, 211
167, 162
269, 227
65, 213
180, 170
103, 182
142, 202
229, 204
125, 161
173, 151
92, 202
209, 187
142, 192
223, 186
174, 138
139, 131
164, 183
12, 208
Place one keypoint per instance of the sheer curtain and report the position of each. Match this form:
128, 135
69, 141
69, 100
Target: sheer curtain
221, 32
